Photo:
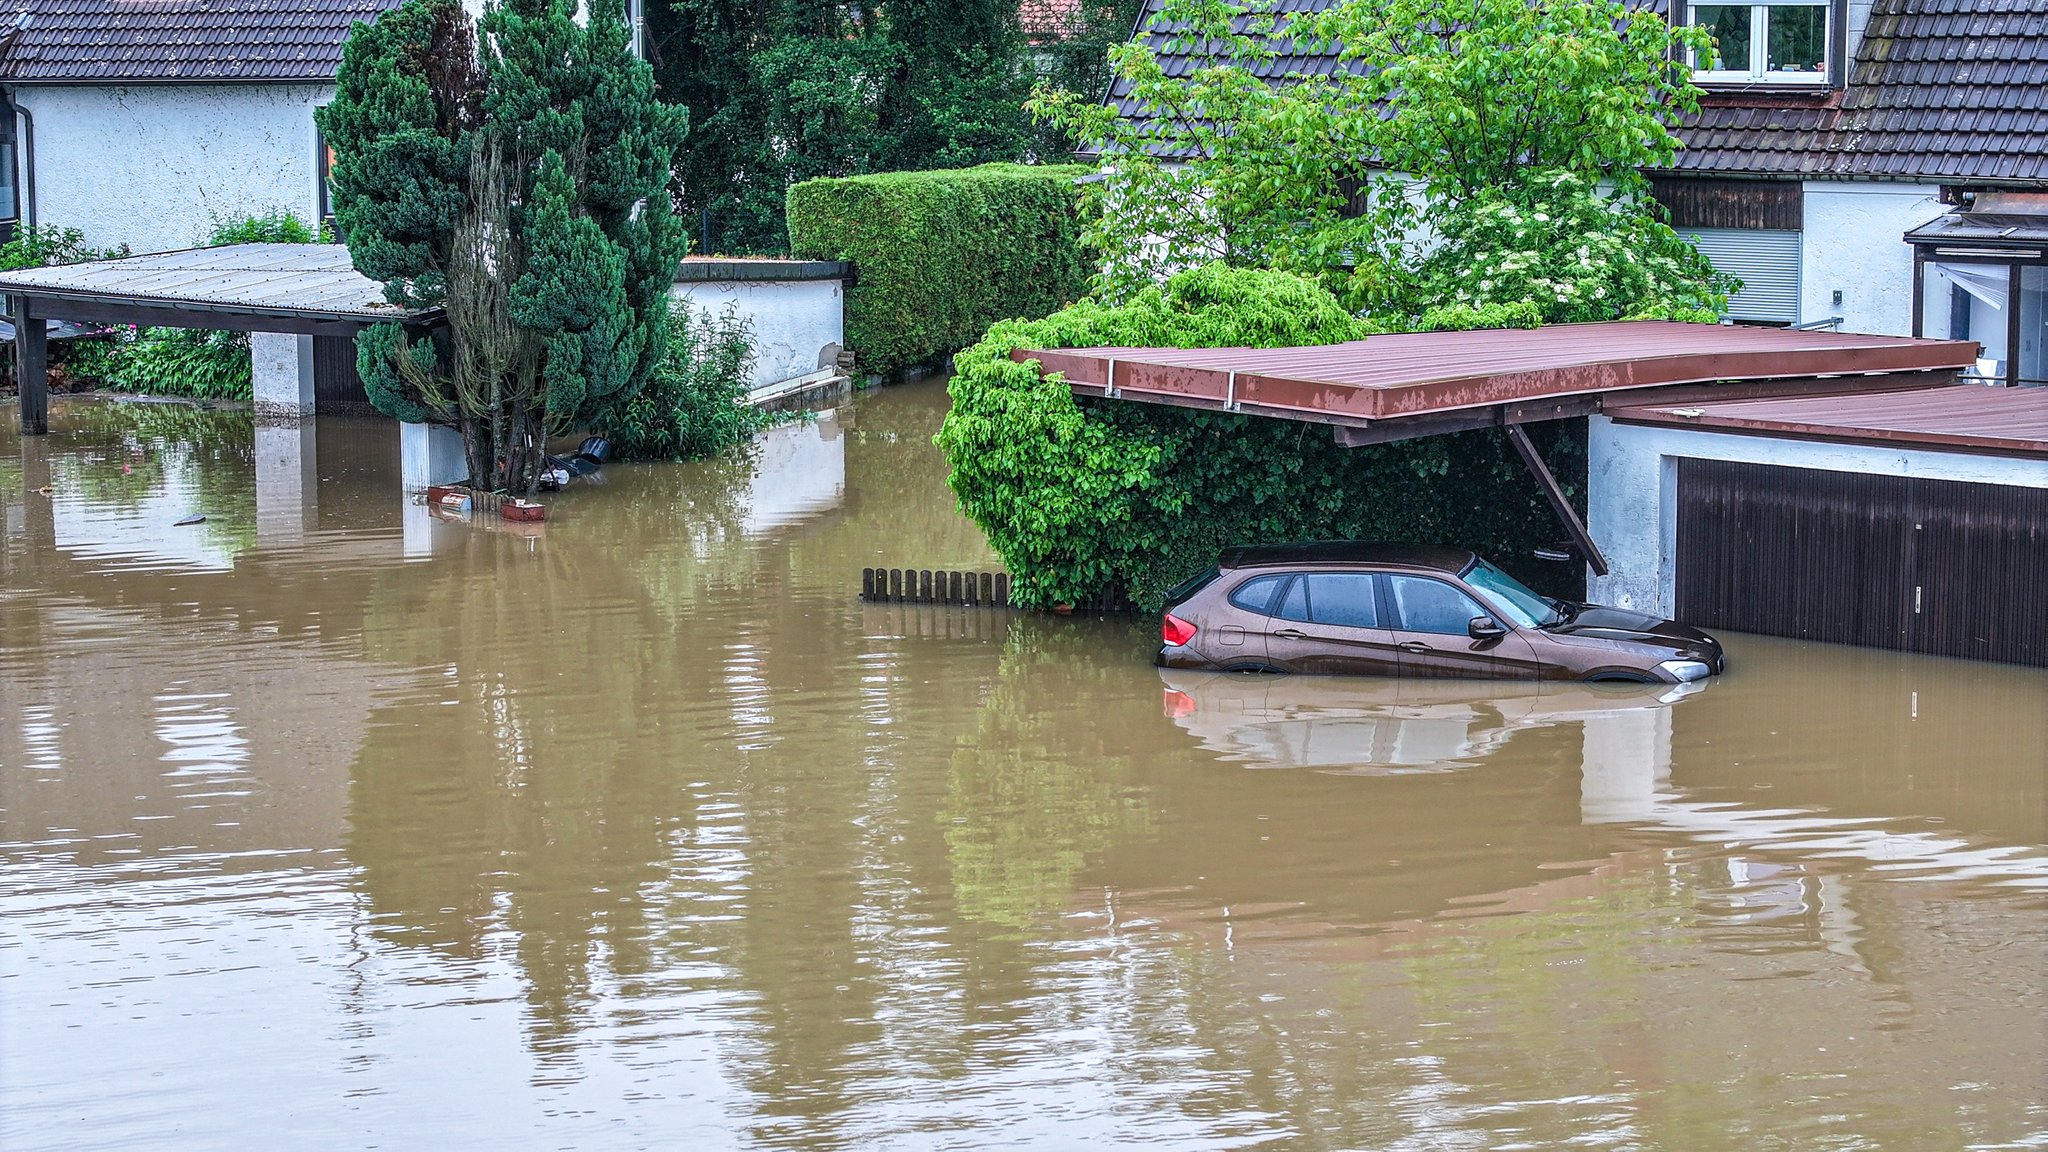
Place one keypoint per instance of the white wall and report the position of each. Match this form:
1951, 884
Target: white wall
154, 166
1632, 491
1853, 243
792, 320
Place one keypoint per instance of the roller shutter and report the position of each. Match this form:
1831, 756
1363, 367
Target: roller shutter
1767, 263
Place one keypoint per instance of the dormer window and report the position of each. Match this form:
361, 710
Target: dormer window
1779, 42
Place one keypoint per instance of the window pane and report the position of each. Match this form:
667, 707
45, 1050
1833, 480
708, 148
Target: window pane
1797, 37
9, 210
1968, 302
1729, 24
1343, 600
1433, 606
1294, 606
2034, 326
1256, 595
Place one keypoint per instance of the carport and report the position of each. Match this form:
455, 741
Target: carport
302, 304
1403, 386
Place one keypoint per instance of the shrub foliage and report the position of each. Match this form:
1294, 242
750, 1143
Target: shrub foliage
693, 402
1087, 496
942, 255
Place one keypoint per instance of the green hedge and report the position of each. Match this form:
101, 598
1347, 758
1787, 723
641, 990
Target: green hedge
942, 255
1095, 496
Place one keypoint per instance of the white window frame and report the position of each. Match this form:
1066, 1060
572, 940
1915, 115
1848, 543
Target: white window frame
1756, 69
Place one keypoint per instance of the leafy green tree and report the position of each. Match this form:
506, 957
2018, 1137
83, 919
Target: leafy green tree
516, 172
782, 91
1445, 118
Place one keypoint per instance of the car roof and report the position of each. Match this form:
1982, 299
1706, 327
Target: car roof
1430, 556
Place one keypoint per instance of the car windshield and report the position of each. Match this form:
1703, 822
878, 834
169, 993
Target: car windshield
1510, 597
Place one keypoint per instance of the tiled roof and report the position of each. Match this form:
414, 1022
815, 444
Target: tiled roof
1940, 89
1952, 89
147, 41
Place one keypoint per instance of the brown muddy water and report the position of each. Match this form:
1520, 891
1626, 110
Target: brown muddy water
324, 824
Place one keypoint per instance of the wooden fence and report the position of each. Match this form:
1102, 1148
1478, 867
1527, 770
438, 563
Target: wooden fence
971, 589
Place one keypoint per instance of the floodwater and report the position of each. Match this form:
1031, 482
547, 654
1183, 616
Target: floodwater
326, 824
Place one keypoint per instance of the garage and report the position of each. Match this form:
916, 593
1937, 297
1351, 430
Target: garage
1913, 519
1936, 566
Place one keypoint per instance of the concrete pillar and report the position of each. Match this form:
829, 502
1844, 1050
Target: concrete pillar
430, 454
287, 481
281, 365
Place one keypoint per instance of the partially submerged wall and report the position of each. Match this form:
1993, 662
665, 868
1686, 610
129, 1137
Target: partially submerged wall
795, 309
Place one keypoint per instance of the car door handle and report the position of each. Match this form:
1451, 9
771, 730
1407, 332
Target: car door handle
1290, 634
1416, 646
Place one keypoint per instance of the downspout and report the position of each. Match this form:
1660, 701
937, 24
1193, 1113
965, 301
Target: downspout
28, 161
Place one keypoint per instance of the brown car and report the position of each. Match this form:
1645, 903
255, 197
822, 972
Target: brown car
1353, 608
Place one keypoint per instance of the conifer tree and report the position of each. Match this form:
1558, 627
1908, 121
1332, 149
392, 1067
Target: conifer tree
515, 172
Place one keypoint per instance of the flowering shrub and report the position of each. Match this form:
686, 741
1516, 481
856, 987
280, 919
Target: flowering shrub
1572, 254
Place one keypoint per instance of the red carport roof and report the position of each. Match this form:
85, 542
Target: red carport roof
1959, 418
1422, 373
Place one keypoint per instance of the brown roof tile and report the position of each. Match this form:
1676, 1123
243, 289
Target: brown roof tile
123, 41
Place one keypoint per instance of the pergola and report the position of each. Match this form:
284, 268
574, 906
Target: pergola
1407, 385
287, 290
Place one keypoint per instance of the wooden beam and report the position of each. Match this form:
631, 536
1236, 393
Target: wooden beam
171, 316
1558, 504
32, 368
1468, 419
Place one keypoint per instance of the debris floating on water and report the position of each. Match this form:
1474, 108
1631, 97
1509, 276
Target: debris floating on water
195, 518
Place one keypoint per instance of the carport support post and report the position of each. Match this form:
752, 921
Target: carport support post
1558, 504
32, 368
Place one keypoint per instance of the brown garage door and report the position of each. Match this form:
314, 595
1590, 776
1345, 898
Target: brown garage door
1885, 561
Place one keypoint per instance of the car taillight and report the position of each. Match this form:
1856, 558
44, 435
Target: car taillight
1176, 630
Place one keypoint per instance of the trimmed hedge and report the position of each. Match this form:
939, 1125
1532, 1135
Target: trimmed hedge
942, 255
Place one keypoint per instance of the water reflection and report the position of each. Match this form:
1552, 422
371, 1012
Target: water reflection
645, 831
1388, 727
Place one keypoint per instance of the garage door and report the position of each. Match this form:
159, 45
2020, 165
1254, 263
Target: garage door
1885, 561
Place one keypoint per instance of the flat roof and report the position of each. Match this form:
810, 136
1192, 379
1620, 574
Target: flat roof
1958, 418
306, 281
1416, 374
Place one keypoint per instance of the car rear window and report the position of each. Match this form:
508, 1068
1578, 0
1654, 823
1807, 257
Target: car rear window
1193, 584
1256, 594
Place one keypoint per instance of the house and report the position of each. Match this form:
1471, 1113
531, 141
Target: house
1876, 165
1872, 166
146, 124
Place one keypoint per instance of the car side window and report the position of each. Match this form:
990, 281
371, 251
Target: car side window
1433, 606
1294, 604
1343, 599
1256, 594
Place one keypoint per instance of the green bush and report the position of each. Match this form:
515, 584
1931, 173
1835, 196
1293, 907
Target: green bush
41, 245
273, 227
942, 255
1093, 496
195, 363
693, 403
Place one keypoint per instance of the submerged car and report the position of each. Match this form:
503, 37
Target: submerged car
1364, 609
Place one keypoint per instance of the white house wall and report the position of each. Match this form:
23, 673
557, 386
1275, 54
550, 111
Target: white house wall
1854, 243
798, 326
156, 166
1632, 491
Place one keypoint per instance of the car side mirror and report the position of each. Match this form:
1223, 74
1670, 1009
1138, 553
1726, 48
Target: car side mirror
1485, 628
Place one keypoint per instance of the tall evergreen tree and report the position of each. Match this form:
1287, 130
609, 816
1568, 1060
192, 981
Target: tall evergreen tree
515, 172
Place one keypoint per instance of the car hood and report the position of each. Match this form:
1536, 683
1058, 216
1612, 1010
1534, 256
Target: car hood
1598, 622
